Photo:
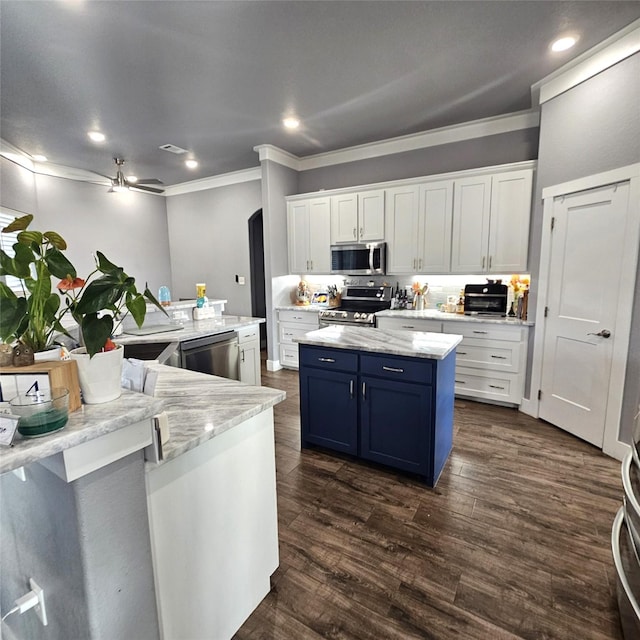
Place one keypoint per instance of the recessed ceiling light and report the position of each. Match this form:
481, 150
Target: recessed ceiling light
97, 136
191, 164
132, 178
562, 44
39, 158
291, 122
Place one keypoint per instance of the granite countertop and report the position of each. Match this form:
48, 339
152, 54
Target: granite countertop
415, 344
87, 423
302, 307
201, 406
192, 329
434, 314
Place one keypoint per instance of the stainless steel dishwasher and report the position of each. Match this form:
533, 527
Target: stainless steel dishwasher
217, 355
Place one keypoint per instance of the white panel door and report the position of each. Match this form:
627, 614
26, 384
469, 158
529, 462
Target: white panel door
320, 235
509, 226
298, 238
371, 216
436, 212
585, 265
402, 213
344, 218
471, 210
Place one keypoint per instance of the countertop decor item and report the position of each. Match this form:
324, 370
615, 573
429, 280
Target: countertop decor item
100, 374
97, 303
41, 412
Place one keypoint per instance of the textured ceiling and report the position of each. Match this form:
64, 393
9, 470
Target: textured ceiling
217, 77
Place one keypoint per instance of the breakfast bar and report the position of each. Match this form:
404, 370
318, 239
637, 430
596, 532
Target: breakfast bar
382, 396
129, 548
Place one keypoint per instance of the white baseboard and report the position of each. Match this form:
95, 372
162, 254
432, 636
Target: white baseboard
618, 451
273, 365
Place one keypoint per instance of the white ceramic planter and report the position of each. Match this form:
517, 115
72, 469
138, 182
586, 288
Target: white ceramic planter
99, 376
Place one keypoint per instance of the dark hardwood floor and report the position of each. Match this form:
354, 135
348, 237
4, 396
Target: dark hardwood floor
512, 543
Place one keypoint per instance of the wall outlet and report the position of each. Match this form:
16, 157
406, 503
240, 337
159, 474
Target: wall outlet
40, 610
240, 279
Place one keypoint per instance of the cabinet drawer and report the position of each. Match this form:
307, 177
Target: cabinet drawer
289, 355
299, 317
333, 359
494, 355
493, 385
483, 331
410, 324
288, 332
246, 334
398, 368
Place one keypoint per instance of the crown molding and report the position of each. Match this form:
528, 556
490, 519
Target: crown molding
214, 182
280, 156
614, 49
432, 138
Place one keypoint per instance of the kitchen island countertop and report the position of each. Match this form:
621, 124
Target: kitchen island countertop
192, 329
413, 344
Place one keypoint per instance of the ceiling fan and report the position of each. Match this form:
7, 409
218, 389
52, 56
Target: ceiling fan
121, 183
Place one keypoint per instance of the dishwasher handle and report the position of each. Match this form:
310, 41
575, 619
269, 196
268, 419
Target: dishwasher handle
207, 341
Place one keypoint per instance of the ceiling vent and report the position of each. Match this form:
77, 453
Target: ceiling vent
173, 149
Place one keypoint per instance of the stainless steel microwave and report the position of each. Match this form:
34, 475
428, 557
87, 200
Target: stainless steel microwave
359, 259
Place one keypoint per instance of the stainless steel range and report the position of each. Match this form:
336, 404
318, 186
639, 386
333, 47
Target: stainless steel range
357, 307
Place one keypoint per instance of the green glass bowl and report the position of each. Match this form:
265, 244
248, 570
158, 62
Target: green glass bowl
42, 412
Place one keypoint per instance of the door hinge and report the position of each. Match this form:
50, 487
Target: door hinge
546, 311
553, 223
539, 394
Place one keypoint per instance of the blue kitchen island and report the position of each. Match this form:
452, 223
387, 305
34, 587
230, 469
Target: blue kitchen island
382, 396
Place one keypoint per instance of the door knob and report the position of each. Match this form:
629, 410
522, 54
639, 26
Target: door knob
605, 333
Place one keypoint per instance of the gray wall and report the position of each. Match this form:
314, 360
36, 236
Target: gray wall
129, 228
277, 183
209, 242
591, 128
87, 545
515, 146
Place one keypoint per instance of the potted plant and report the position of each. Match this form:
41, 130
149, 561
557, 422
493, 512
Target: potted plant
97, 303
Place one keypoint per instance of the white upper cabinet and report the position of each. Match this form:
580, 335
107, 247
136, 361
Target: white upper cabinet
357, 217
491, 223
434, 233
418, 226
308, 225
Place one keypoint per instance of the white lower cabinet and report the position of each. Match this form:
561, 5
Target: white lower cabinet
490, 360
292, 324
249, 341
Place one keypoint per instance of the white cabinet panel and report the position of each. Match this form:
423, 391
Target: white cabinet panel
409, 324
308, 228
434, 233
344, 218
371, 216
402, 223
357, 217
292, 324
249, 341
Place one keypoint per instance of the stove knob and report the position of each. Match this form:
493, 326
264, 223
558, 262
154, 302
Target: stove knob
332, 314
356, 315
344, 314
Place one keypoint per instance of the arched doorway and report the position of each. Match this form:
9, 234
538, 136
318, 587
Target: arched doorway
256, 266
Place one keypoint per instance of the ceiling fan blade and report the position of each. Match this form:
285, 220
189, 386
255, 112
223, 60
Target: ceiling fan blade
149, 181
137, 187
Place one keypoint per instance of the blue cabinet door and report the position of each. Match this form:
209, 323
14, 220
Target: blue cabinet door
396, 424
329, 409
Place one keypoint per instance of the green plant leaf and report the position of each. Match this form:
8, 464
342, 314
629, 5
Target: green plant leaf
152, 299
19, 224
96, 331
59, 265
55, 239
106, 266
137, 307
99, 294
27, 237
18, 266
12, 312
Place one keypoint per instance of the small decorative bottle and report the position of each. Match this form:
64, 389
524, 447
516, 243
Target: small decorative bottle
460, 305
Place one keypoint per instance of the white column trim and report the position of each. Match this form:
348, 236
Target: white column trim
214, 182
617, 47
275, 154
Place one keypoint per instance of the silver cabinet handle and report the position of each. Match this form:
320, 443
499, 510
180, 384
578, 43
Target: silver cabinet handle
499, 357
460, 382
351, 388
479, 331
312, 265
361, 234
326, 359
483, 259
408, 326
355, 235
393, 369
414, 264
605, 333
490, 260
495, 386
243, 355
420, 263
461, 353
364, 390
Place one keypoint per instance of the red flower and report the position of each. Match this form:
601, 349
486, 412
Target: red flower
109, 345
68, 284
